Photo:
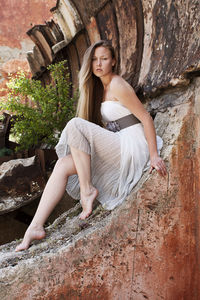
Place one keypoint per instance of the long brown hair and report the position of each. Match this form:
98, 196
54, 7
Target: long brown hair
90, 86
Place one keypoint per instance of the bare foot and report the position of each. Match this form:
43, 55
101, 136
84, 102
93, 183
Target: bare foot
87, 202
32, 233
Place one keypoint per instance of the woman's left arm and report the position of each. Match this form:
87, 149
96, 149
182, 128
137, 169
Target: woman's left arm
124, 93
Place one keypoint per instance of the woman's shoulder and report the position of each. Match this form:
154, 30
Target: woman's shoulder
118, 82
117, 79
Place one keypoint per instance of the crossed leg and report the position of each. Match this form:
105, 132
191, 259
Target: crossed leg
88, 191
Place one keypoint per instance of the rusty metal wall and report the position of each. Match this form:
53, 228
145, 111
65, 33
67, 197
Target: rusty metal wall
119, 21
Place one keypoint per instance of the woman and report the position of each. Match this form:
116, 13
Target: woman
95, 162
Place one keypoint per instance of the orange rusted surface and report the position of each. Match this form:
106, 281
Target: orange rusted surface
93, 31
169, 238
18, 16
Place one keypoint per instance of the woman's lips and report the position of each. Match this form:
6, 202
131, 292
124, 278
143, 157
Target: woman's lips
98, 70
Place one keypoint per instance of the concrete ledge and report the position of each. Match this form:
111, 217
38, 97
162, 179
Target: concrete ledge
145, 248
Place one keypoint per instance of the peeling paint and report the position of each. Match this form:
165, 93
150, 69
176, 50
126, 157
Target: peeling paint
68, 18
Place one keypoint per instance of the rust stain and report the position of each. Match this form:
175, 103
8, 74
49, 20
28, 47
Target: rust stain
183, 241
93, 30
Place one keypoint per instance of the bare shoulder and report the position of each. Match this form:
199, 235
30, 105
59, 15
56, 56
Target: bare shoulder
117, 81
122, 91
119, 85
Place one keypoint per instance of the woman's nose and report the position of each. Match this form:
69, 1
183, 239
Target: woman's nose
99, 62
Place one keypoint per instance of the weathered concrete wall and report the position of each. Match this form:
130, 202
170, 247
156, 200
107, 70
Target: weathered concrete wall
16, 18
148, 248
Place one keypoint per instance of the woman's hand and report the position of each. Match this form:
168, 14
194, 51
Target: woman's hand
158, 164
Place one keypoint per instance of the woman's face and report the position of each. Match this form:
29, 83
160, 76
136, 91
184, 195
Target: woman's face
102, 62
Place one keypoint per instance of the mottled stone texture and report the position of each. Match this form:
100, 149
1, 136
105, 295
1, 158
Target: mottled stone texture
148, 248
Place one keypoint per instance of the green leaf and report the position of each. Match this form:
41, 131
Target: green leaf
41, 111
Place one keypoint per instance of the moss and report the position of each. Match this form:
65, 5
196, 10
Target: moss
74, 213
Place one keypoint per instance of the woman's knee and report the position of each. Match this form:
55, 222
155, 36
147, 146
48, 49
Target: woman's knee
60, 167
65, 165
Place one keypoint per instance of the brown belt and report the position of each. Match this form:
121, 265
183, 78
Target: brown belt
122, 123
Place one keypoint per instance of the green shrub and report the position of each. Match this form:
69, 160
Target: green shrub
41, 111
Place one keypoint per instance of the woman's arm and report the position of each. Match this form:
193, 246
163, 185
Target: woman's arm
124, 93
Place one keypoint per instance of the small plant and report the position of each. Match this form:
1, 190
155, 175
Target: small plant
41, 111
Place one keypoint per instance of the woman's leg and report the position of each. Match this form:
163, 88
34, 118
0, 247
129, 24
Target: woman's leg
88, 192
52, 194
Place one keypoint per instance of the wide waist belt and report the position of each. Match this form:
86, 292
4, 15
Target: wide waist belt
122, 123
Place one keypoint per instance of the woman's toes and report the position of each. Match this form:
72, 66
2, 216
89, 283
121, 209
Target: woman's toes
21, 247
84, 215
32, 233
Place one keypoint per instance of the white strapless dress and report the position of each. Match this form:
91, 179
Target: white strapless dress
117, 159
